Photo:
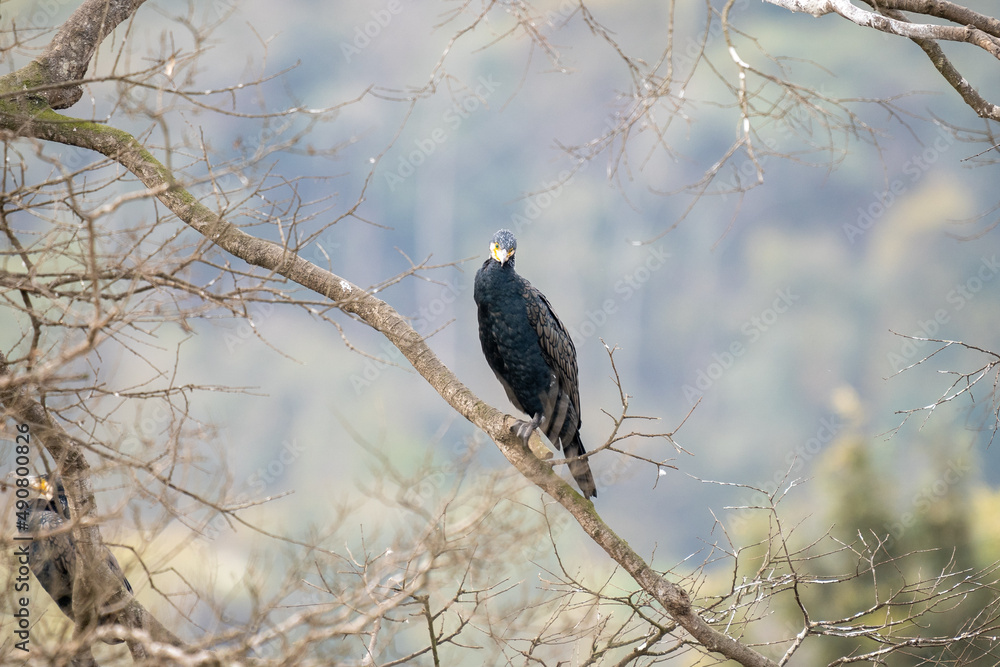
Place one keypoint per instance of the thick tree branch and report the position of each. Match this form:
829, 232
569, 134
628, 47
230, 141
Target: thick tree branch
351, 299
983, 107
68, 55
868, 19
815, 7
975, 28
948, 11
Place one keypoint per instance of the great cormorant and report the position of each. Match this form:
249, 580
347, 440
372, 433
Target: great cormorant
531, 354
52, 555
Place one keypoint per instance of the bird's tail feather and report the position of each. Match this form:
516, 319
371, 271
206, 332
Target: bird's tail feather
580, 468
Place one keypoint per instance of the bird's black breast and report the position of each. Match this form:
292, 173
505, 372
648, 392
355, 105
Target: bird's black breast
509, 342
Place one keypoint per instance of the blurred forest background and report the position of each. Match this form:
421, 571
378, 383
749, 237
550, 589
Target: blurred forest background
775, 307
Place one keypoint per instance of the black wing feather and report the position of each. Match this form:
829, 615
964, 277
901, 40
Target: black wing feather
563, 403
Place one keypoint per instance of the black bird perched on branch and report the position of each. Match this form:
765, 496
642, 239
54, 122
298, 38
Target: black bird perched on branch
52, 555
531, 354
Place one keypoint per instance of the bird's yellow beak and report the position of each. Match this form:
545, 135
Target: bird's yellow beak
41, 486
499, 254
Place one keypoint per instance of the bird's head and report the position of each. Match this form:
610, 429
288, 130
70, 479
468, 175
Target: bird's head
43, 486
503, 246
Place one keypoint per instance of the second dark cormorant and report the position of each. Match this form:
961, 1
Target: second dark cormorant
532, 355
52, 555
